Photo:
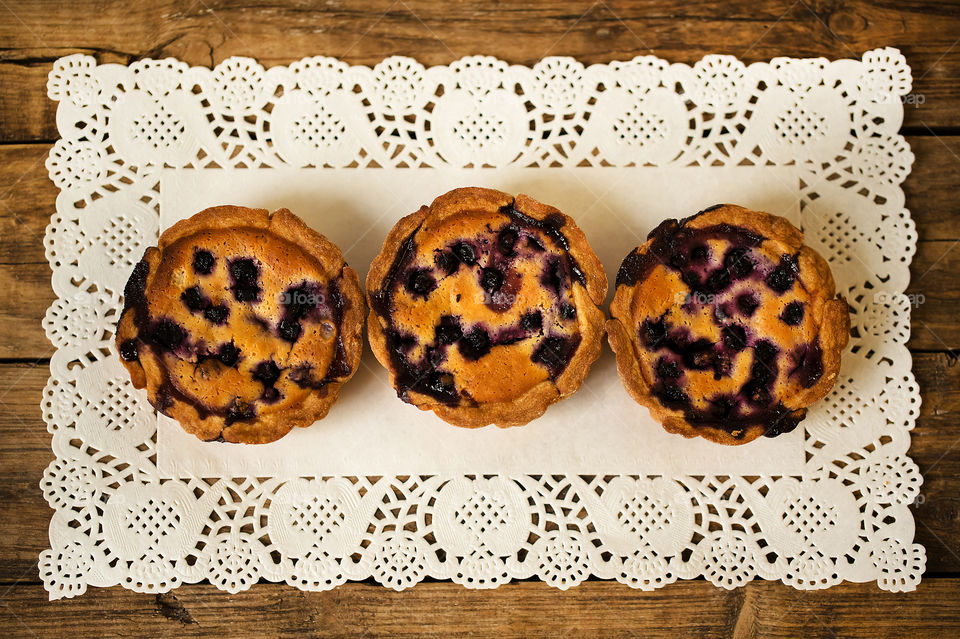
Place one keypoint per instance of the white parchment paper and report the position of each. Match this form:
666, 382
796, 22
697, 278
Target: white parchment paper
369, 431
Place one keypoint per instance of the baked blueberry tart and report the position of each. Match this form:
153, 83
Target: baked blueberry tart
241, 324
484, 307
725, 325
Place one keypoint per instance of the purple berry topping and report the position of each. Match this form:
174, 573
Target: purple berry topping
203, 261
217, 314
465, 253
475, 344
128, 350
792, 314
747, 304
491, 280
245, 275
167, 334
421, 282
266, 372
506, 240
781, 278
446, 261
447, 331
532, 321
194, 299
228, 354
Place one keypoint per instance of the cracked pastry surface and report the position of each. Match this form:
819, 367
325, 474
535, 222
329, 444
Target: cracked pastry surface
725, 325
484, 308
241, 324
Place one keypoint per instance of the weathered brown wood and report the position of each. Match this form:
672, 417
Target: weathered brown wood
935, 447
25, 295
25, 452
935, 288
29, 198
438, 32
23, 91
930, 189
35, 32
607, 609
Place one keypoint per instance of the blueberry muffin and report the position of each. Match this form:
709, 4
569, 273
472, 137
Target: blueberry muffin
485, 307
726, 326
241, 324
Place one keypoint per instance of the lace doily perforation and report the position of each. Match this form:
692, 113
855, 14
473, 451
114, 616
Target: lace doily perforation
116, 521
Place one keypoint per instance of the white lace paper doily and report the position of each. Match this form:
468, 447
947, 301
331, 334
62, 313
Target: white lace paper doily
845, 517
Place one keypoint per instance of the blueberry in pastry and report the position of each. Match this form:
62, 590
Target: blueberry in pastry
484, 307
725, 325
241, 324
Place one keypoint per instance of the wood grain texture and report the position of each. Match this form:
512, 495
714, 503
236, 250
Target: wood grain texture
33, 33
25, 295
525, 609
930, 189
24, 454
27, 200
438, 32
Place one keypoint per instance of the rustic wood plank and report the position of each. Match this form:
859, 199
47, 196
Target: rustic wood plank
25, 295
608, 609
935, 447
930, 189
935, 289
25, 452
33, 33
438, 32
23, 89
29, 199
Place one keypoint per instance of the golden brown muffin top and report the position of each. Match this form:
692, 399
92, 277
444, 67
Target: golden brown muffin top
484, 307
725, 325
241, 325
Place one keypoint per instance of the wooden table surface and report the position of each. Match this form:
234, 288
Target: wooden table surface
33, 34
